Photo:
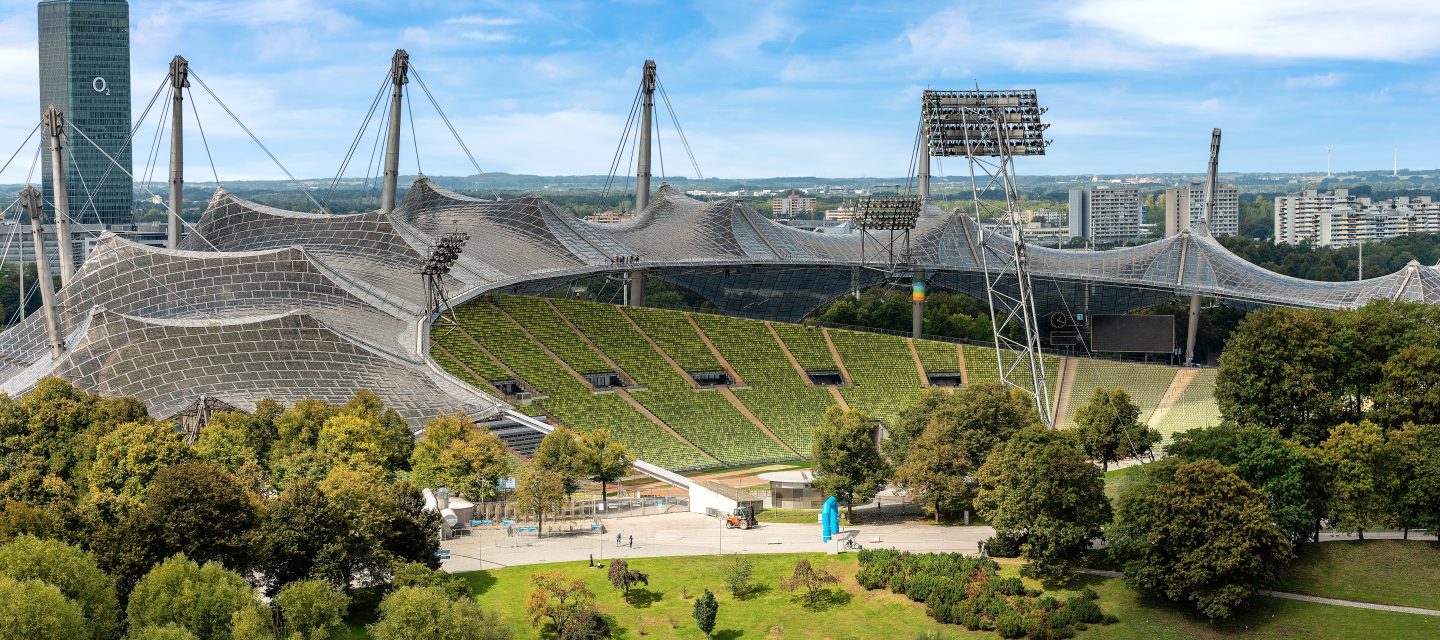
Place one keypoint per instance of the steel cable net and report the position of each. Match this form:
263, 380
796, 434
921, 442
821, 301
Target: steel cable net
263, 302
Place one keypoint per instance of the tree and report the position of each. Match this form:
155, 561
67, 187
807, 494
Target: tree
420, 613
540, 492
1039, 486
1372, 337
167, 632
35, 610
1196, 533
1419, 504
562, 600
298, 428
301, 529
1281, 468
385, 525
202, 599
604, 459
454, 453
847, 463
808, 578
360, 441
128, 458
313, 610
960, 431
414, 574
72, 571
738, 575
911, 422
622, 577
193, 508
705, 609
1362, 474
559, 453
393, 432
1409, 389
224, 444
1280, 370
1109, 428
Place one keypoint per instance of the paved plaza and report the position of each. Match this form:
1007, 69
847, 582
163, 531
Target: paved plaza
688, 534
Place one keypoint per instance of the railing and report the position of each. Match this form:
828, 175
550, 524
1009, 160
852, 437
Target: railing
1068, 353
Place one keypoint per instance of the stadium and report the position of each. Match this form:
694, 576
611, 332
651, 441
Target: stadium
257, 302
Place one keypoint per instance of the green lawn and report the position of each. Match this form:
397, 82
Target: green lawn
1405, 573
1118, 479
662, 609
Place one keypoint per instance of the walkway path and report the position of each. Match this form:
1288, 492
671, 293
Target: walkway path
1304, 598
689, 534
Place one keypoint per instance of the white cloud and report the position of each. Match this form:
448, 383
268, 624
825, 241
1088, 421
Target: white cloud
483, 21
1316, 81
1389, 30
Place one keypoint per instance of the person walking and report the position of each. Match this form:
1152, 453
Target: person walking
632, 541
617, 538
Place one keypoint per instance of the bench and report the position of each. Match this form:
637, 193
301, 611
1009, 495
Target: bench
774, 541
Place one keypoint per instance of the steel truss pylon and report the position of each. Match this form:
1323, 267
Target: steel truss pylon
1022, 365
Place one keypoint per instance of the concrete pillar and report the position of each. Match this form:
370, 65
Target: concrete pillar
399, 76
924, 168
917, 304
637, 288
54, 124
30, 199
179, 80
647, 111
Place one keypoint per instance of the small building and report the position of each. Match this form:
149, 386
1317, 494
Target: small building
793, 489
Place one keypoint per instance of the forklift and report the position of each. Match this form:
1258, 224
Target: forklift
742, 518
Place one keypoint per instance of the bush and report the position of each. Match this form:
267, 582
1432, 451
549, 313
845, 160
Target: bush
1010, 625
1004, 545
313, 610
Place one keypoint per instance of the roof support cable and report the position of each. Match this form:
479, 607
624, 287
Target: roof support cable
373, 169
129, 138
19, 149
660, 147
258, 143
203, 140
448, 125
359, 136
414, 139
620, 148
679, 130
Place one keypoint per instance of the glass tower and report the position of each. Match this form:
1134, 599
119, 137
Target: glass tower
85, 70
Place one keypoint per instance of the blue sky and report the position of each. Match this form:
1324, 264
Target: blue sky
792, 88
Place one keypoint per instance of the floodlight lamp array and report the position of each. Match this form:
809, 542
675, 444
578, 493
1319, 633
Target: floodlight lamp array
445, 253
887, 213
984, 123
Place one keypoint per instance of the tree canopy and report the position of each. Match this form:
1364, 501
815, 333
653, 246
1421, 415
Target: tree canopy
1109, 428
848, 465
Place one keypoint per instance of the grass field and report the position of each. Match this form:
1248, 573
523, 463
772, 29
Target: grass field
662, 609
1398, 572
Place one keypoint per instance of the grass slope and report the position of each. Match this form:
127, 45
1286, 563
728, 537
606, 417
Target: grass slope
661, 611
1397, 572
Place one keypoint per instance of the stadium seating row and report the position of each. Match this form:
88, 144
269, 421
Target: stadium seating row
882, 372
542, 322
673, 332
1195, 408
938, 357
808, 346
1146, 385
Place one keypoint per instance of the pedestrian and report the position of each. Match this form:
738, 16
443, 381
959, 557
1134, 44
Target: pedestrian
592, 561
617, 538
632, 541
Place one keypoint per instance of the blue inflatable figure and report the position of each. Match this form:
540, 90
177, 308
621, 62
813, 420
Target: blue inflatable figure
830, 518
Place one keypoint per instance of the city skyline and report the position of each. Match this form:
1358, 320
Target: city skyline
788, 89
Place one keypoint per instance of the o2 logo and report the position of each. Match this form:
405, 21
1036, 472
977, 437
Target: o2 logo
100, 85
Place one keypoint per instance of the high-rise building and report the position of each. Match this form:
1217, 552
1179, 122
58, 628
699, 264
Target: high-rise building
792, 206
1185, 208
1339, 219
1106, 215
85, 70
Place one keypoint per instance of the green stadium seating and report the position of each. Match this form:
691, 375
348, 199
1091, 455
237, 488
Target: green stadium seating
571, 401
808, 346
542, 322
609, 330
981, 366
1146, 384
882, 372
938, 357
673, 332
778, 396
1195, 408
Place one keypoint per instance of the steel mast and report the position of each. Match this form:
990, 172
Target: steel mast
1211, 184
399, 76
179, 80
53, 122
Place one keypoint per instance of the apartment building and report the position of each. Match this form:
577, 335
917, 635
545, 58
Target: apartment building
1339, 219
1106, 215
1185, 209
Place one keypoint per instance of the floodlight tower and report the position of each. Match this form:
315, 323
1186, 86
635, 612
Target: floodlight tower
988, 129
442, 257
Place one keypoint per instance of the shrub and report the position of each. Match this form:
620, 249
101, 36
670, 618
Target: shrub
1010, 625
1004, 545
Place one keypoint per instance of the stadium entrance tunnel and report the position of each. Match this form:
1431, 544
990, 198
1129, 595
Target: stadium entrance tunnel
602, 381
710, 378
826, 378
945, 379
